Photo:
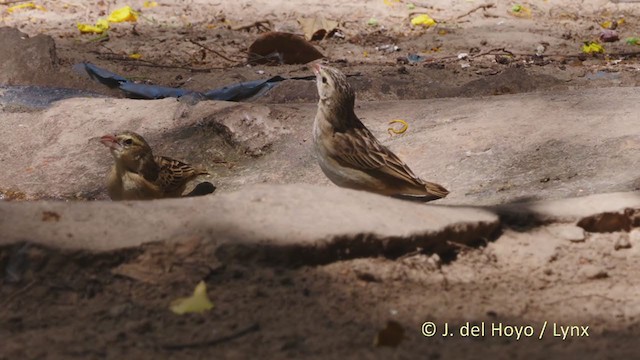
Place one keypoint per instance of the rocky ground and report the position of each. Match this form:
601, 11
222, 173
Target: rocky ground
538, 236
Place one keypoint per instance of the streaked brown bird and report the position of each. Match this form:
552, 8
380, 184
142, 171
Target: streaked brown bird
139, 175
348, 153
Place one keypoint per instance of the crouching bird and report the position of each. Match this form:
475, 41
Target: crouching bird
139, 175
348, 153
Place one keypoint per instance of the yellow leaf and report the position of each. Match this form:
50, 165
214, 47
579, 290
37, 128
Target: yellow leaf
123, 14
199, 302
101, 26
520, 11
135, 56
592, 48
150, 4
423, 20
29, 5
404, 127
390, 2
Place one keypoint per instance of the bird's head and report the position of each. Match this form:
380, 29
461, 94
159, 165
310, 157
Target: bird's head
333, 87
128, 148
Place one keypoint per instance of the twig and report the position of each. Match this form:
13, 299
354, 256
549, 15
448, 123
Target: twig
257, 24
147, 63
17, 293
498, 51
211, 50
213, 342
483, 7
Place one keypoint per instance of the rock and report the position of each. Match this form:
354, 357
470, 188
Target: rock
593, 272
606, 222
253, 129
567, 232
31, 58
44, 152
622, 242
281, 224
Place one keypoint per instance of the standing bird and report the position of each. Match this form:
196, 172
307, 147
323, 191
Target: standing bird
348, 153
138, 175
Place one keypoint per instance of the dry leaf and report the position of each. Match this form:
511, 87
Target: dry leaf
282, 48
592, 48
392, 335
424, 20
123, 14
198, 302
317, 28
402, 130
29, 5
101, 26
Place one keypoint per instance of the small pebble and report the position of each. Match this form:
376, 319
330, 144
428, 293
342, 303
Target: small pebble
622, 242
593, 272
572, 233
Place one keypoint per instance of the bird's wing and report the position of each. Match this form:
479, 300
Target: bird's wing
174, 173
359, 149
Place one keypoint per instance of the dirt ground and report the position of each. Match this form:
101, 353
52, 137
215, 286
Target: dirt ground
58, 304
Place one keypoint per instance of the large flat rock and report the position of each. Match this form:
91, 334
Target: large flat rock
486, 151
288, 223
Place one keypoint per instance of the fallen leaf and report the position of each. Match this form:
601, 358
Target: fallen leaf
150, 4
197, 303
392, 335
123, 14
50, 216
282, 48
317, 28
403, 129
423, 20
29, 5
592, 48
372, 22
101, 26
135, 56
520, 11
632, 41
607, 24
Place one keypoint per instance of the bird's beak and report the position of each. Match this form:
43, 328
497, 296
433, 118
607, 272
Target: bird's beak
110, 141
316, 68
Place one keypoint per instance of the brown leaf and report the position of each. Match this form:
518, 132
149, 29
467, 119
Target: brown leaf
50, 216
317, 28
282, 48
391, 335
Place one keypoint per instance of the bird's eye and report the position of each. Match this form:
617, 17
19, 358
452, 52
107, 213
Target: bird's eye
324, 79
128, 142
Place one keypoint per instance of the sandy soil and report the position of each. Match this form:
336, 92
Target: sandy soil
56, 304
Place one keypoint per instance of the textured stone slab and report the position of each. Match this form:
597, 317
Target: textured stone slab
486, 151
286, 223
